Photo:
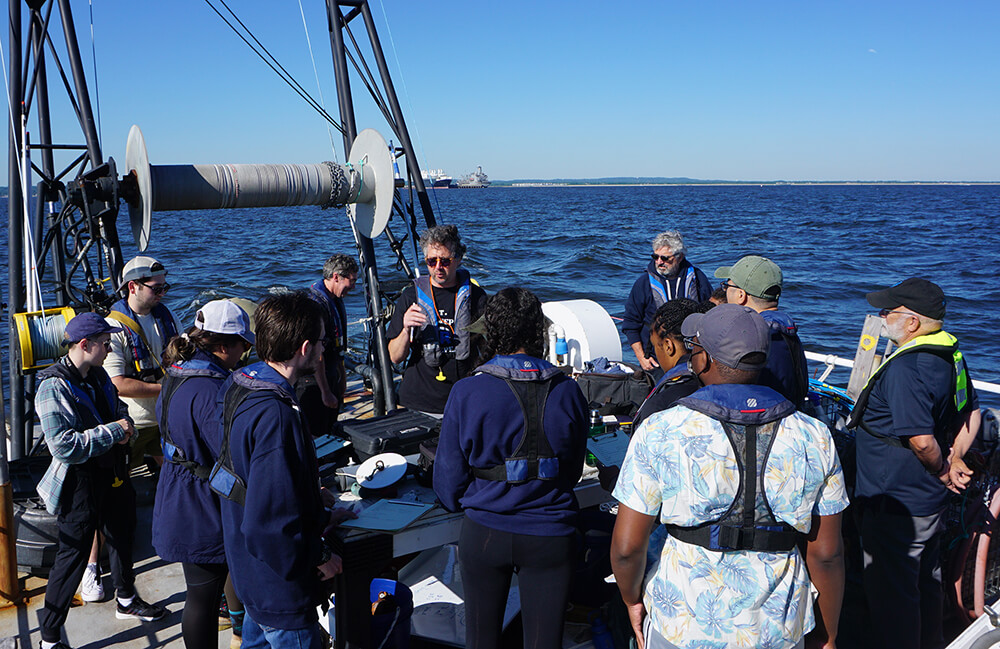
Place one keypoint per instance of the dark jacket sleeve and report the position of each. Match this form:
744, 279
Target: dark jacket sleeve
705, 287
635, 310
452, 474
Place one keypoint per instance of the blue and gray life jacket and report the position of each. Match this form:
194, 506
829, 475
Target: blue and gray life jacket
531, 381
177, 374
143, 366
663, 291
436, 339
751, 416
224, 480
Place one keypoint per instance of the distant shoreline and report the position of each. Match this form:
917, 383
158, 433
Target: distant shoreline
723, 183
716, 183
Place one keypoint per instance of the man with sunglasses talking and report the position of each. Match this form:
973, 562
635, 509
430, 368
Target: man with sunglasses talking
429, 327
669, 275
915, 418
134, 363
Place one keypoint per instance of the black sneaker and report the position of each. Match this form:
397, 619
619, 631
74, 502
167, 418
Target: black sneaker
139, 610
58, 645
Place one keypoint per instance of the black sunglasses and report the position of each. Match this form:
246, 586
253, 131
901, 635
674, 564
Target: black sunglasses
157, 289
667, 259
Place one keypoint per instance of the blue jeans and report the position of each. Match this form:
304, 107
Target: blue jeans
258, 636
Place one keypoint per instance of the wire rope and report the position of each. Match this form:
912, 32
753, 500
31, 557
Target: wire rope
406, 93
319, 87
278, 69
97, 86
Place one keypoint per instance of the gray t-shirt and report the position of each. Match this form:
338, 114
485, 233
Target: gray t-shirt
142, 411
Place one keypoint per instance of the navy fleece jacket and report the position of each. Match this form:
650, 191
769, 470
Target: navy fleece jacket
273, 543
483, 425
187, 525
640, 307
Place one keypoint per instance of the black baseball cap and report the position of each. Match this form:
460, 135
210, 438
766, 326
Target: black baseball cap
919, 295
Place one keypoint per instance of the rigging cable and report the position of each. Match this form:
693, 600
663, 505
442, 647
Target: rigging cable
97, 86
275, 65
399, 67
22, 164
305, 28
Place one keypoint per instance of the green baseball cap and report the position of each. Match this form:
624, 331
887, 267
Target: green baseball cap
758, 276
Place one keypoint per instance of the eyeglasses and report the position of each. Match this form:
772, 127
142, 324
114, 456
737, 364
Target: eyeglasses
884, 313
157, 289
106, 343
690, 343
667, 259
432, 262
727, 284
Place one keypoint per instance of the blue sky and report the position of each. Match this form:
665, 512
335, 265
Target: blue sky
711, 90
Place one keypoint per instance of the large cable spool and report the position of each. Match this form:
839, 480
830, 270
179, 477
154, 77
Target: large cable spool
40, 336
366, 184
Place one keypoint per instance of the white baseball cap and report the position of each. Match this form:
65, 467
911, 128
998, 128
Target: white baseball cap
224, 317
142, 267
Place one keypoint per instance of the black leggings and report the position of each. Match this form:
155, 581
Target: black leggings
544, 567
200, 620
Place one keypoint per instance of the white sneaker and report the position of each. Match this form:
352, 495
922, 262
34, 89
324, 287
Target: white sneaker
91, 588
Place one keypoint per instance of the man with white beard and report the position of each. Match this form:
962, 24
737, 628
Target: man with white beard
913, 406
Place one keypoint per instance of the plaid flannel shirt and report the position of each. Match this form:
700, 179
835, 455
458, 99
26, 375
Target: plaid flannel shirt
68, 441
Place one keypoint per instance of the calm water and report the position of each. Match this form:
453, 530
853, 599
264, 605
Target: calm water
833, 244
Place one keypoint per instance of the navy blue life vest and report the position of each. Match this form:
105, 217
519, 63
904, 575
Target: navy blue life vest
93, 412
530, 380
783, 328
143, 366
751, 416
177, 374
336, 321
676, 375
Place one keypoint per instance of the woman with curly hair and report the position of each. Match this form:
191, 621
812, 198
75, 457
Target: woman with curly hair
512, 444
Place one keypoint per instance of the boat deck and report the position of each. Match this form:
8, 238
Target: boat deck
94, 625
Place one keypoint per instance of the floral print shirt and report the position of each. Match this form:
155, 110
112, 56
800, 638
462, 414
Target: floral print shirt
681, 467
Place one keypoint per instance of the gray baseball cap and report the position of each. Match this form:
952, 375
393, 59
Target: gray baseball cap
728, 333
758, 276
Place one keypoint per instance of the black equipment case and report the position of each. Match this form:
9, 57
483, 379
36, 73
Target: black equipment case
401, 431
615, 394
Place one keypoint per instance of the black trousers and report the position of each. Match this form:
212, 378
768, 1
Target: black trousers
200, 620
544, 567
89, 501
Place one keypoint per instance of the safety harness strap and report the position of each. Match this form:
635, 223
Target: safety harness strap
765, 535
533, 459
223, 479
172, 452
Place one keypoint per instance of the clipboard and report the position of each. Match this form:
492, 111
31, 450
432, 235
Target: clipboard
388, 515
609, 449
